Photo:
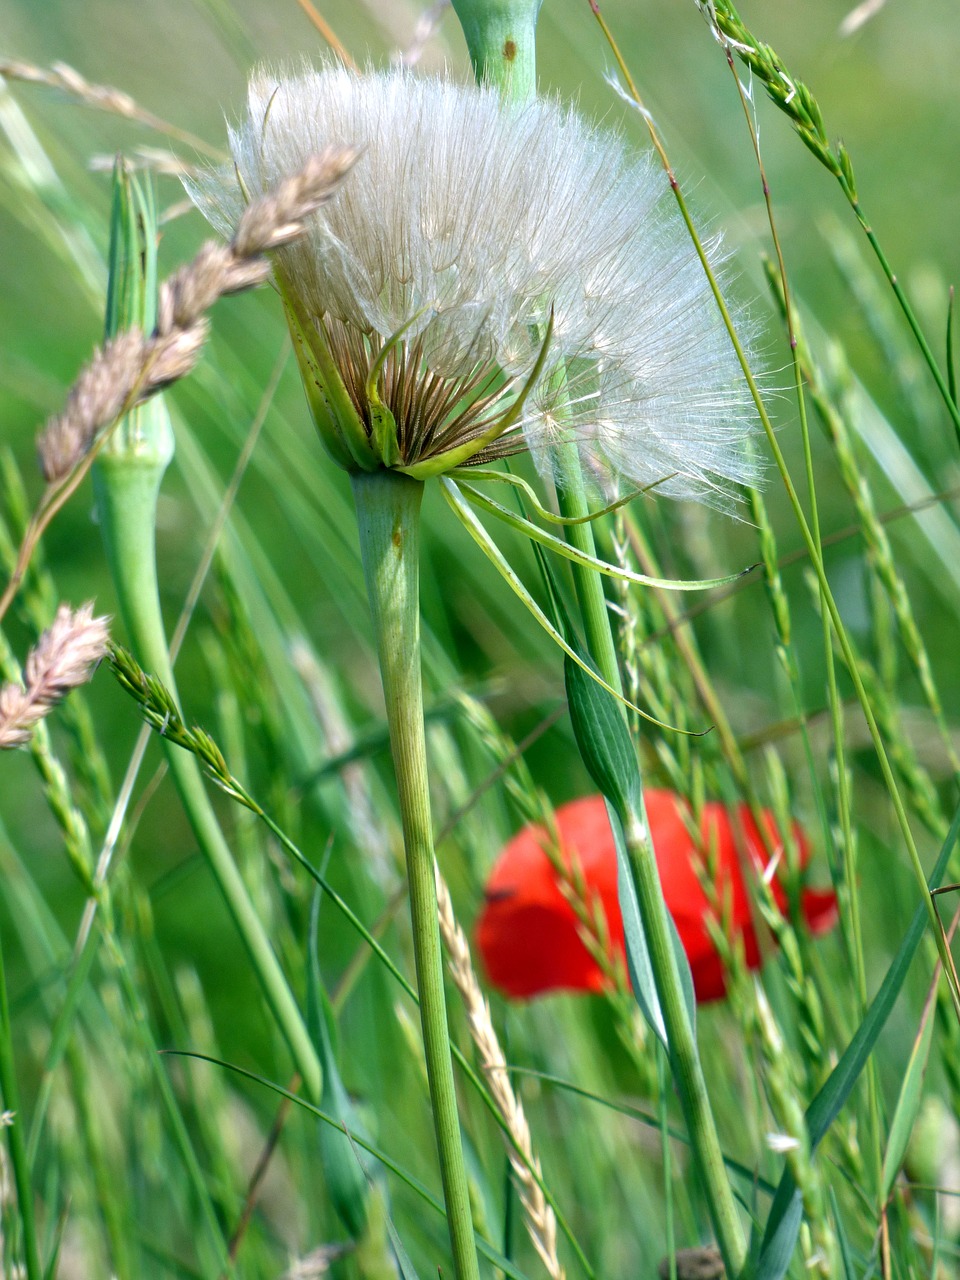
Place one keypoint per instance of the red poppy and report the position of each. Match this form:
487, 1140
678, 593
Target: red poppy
528, 933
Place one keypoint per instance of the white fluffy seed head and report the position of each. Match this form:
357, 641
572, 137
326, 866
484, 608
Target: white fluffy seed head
466, 224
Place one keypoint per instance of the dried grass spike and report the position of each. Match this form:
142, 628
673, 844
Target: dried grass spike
63, 657
540, 1219
279, 217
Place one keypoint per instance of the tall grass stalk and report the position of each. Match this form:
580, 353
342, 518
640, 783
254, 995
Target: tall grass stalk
810, 542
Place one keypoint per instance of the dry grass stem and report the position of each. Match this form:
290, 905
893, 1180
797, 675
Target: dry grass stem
133, 366
428, 25
540, 1219
63, 657
155, 160
101, 97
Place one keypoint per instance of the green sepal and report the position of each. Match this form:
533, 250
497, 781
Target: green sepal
317, 401
459, 456
144, 434
339, 423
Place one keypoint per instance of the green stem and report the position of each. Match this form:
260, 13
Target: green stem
684, 1058
127, 486
931, 361
501, 38
388, 515
15, 1139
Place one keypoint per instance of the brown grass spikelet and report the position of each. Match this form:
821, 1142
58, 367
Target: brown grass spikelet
281, 215
132, 366
98, 396
540, 1219
64, 657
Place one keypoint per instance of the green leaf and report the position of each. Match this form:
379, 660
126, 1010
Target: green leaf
908, 1103
611, 760
536, 534
786, 1212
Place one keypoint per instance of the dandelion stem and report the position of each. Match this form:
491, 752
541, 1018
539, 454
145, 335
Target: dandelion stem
388, 515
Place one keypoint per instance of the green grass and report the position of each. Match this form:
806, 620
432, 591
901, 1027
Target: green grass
141, 1163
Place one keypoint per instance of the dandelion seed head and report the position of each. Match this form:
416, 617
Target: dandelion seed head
467, 228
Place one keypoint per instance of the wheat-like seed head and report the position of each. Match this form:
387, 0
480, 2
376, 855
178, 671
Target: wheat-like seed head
540, 1219
63, 657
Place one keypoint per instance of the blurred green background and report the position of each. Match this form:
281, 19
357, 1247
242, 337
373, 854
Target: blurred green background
892, 94
890, 91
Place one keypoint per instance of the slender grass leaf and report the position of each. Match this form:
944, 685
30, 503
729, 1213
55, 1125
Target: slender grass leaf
343, 1168
845, 1257
414, 1183
908, 1103
786, 1212
611, 761
549, 540
406, 1268
643, 1117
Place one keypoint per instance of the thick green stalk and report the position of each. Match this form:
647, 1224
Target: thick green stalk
9, 1100
501, 38
127, 486
388, 515
684, 1057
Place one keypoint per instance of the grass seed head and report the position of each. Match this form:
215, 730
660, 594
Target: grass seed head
63, 658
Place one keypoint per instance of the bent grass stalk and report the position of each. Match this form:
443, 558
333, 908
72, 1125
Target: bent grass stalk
161, 714
126, 499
